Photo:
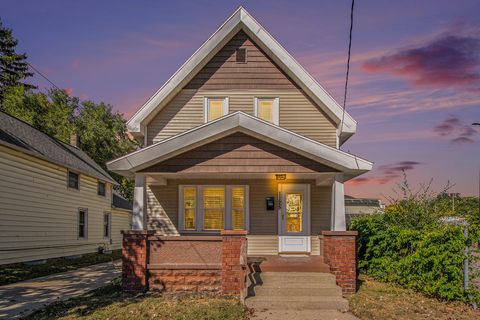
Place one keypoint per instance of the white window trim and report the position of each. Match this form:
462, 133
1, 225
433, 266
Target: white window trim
86, 223
276, 108
227, 219
109, 225
205, 106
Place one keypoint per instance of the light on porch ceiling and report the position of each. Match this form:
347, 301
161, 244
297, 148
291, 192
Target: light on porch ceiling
281, 176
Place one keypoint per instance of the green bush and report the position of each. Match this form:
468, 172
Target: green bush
410, 246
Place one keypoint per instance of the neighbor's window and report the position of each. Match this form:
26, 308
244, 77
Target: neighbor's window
189, 206
73, 180
238, 208
82, 223
215, 108
267, 109
106, 225
241, 55
101, 188
213, 208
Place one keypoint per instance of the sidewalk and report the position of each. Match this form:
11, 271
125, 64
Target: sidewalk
22, 298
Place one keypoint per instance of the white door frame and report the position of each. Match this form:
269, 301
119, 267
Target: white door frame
294, 242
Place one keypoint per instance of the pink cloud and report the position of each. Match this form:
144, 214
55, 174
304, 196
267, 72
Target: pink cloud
457, 130
387, 173
447, 61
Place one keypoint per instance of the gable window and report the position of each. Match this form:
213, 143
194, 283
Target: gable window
267, 109
106, 224
241, 55
101, 188
73, 180
215, 108
82, 223
213, 208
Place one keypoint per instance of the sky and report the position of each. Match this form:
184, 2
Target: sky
414, 85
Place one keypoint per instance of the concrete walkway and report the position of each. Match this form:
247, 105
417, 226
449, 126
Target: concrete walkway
22, 298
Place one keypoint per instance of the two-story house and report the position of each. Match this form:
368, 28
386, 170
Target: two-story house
241, 137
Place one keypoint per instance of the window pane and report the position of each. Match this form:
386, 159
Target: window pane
106, 225
73, 180
189, 204
101, 188
238, 208
215, 109
265, 109
214, 208
294, 212
81, 224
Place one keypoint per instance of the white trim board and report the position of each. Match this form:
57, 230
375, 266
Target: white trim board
242, 20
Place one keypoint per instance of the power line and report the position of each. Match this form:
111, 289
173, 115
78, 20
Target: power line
348, 65
44, 76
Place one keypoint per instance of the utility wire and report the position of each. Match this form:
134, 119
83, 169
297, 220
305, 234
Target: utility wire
43, 76
348, 65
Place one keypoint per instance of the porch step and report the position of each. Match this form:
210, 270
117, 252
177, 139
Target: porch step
295, 291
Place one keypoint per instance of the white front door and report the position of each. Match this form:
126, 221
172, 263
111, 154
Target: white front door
294, 218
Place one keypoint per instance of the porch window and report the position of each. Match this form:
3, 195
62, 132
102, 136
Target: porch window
213, 208
215, 108
267, 109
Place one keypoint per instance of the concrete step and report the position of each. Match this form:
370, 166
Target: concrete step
297, 303
294, 279
302, 314
304, 291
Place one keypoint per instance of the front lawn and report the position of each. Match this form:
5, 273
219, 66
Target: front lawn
10, 273
382, 301
111, 303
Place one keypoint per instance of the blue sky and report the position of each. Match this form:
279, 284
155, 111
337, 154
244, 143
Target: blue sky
415, 77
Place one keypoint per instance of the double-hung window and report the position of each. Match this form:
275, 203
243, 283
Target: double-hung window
82, 223
73, 180
213, 208
267, 109
215, 108
106, 225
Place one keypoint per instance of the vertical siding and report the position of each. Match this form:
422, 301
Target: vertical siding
38, 213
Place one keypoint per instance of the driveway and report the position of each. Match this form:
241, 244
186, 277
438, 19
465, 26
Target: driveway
22, 298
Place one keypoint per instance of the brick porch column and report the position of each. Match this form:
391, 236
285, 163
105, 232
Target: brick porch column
339, 252
135, 260
234, 262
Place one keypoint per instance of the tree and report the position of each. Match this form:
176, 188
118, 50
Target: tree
13, 66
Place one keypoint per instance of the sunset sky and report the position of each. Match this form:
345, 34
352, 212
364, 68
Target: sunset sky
415, 76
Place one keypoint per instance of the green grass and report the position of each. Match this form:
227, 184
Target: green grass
11, 273
111, 303
383, 301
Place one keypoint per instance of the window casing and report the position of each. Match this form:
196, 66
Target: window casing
73, 180
212, 208
107, 221
267, 109
82, 224
101, 188
215, 107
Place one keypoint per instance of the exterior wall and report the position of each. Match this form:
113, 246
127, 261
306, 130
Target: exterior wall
38, 213
162, 205
239, 153
121, 220
242, 82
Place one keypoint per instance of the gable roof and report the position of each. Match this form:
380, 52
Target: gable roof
242, 20
21, 136
344, 162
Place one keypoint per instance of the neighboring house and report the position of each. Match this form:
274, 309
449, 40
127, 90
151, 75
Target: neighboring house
361, 206
241, 137
54, 200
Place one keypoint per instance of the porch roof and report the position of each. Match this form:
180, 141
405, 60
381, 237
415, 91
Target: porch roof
346, 163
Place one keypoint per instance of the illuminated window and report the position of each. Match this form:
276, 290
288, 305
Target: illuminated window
294, 210
215, 108
267, 109
238, 208
213, 208
189, 205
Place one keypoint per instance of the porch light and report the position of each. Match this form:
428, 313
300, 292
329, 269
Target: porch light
281, 176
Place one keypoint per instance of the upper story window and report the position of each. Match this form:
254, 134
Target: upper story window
215, 108
267, 109
73, 180
241, 55
101, 188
